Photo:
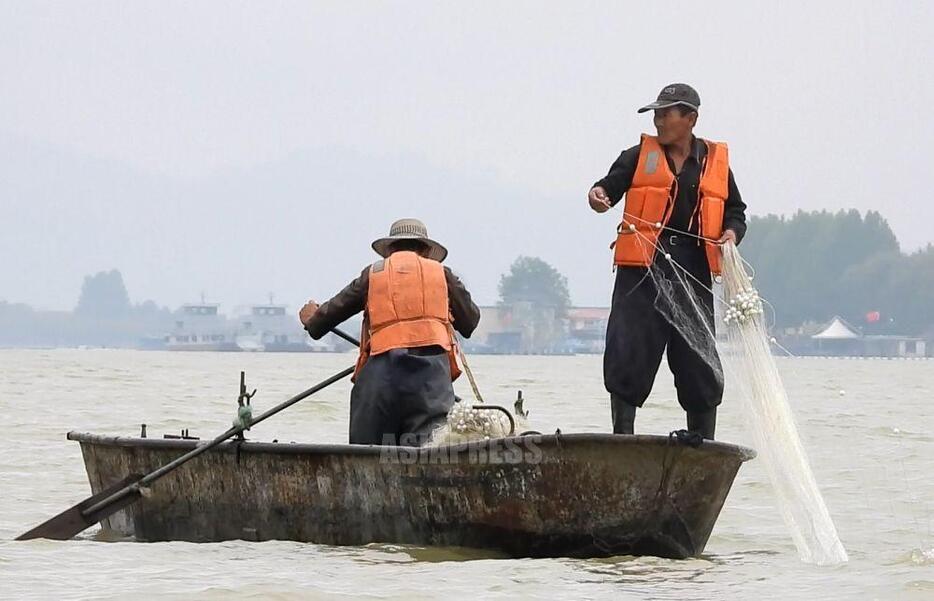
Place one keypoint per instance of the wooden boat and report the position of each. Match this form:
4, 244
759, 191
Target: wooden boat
560, 495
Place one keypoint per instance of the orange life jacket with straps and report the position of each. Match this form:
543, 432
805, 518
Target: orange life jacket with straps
651, 198
407, 307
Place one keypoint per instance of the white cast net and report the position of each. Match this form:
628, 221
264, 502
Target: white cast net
767, 410
466, 423
753, 371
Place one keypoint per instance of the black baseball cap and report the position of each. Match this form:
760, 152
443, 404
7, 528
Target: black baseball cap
674, 94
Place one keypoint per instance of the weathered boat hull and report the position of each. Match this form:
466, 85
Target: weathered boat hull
577, 495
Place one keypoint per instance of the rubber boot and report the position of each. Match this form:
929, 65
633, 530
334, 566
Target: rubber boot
624, 415
703, 422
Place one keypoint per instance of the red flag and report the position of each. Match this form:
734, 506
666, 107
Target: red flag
873, 317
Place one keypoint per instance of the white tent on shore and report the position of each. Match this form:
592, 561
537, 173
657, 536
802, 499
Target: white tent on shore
838, 330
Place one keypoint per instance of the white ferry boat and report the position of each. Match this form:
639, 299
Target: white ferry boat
199, 327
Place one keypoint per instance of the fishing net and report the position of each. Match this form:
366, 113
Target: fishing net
680, 299
767, 409
466, 423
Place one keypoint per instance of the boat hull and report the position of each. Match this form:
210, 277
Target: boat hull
578, 495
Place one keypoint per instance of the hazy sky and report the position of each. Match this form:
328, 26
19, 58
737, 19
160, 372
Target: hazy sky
236, 149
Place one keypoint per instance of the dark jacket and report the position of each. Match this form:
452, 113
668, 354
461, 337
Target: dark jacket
352, 300
619, 179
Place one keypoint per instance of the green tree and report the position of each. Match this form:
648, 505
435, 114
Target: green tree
103, 295
817, 264
532, 280
536, 297
914, 294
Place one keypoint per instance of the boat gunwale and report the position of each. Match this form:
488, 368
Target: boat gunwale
294, 448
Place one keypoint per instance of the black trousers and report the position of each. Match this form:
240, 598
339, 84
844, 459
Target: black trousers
400, 396
640, 329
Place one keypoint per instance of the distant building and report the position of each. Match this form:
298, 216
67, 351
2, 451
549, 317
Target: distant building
493, 319
838, 338
497, 332
523, 329
894, 346
587, 329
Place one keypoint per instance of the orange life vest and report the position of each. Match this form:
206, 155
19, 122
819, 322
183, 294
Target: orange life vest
407, 307
651, 198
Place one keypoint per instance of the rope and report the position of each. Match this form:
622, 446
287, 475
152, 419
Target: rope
749, 265
670, 229
713, 293
469, 372
674, 263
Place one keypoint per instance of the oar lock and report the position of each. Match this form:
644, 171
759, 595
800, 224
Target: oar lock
244, 410
183, 435
243, 420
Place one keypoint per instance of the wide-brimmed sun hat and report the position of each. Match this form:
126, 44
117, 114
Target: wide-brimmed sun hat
410, 229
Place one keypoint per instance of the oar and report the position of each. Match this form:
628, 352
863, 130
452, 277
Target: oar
345, 336
97, 507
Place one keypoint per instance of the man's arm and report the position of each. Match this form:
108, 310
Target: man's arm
619, 178
734, 211
466, 314
345, 304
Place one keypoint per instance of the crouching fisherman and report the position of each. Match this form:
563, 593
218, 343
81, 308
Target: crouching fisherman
411, 306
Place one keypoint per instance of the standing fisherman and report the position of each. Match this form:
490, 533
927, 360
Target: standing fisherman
681, 203
411, 306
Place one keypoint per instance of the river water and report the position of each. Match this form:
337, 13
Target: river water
868, 426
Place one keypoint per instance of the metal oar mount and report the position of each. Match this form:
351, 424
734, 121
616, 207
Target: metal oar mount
107, 502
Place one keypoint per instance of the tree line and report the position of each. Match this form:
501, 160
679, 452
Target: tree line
810, 266
103, 316
817, 264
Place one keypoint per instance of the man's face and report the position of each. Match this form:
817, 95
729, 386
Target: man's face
671, 125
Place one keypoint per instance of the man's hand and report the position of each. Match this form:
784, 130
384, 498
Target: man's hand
728, 236
307, 312
598, 199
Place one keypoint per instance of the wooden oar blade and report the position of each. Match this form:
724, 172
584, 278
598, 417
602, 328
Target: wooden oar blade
72, 521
